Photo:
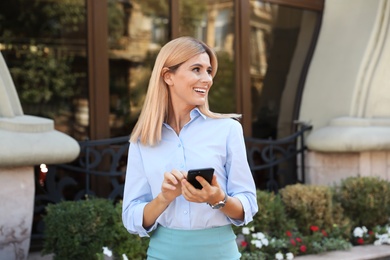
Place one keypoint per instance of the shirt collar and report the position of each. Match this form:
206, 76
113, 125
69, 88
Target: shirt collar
193, 114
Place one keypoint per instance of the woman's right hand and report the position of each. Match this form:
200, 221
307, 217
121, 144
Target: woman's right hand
171, 186
170, 189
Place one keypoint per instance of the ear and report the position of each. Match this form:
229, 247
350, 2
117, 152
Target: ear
167, 76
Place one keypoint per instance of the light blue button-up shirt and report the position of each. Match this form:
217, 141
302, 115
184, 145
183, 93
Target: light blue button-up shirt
203, 142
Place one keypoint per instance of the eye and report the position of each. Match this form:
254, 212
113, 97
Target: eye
209, 71
196, 69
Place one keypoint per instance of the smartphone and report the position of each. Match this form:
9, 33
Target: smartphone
206, 173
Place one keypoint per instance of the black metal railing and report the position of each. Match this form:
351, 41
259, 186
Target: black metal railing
74, 181
277, 163
273, 164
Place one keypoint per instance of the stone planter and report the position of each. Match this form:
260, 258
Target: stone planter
25, 141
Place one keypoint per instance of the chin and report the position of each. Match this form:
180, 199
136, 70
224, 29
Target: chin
198, 104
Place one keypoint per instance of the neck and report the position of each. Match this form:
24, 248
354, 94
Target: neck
177, 118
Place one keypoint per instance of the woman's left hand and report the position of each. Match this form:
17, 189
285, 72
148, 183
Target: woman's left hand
211, 193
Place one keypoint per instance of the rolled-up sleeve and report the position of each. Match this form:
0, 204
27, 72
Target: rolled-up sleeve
137, 193
240, 180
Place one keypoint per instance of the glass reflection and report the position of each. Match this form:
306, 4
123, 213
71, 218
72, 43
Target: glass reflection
280, 38
213, 23
137, 31
44, 45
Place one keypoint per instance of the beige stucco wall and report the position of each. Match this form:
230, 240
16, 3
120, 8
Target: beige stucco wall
347, 93
344, 38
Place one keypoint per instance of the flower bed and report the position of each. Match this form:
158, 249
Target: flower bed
300, 220
307, 220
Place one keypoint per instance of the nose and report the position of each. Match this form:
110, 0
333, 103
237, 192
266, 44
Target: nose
206, 77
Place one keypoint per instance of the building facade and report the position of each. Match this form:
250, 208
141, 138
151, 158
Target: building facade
86, 64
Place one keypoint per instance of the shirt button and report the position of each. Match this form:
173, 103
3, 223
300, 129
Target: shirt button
179, 145
185, 212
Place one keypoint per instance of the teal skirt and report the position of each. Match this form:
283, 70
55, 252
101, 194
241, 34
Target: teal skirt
206, 244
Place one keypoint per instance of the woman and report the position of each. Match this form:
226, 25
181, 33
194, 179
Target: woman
177, 132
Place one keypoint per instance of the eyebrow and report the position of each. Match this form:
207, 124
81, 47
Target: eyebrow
200, 65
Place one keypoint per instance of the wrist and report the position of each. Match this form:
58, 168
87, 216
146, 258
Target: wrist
220, 197
162, 200
220, 203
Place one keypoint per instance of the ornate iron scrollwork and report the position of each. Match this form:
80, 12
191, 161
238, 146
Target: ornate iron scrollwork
272, 162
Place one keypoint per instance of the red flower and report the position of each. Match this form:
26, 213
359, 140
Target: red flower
360, 241
288, 233
314, 228
298, 240
292, 241
244, 243
324, 233
303, 248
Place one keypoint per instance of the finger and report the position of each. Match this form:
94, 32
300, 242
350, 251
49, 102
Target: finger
188, 186
185, 185
187, 193
168, 186
169, 177
178, 174
202, 181
214, 181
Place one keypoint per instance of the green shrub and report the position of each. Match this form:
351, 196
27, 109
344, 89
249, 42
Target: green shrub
311, 205
301, 219
365, 200
80, 229
133, 246
272, 218
290, 228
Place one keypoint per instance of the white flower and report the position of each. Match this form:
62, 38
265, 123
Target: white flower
260, 235
382, 239
258, 244
279, 256
364, 229
264, 241
245, 231
289, 256
107, 251
252, 229
358, 232
124, 257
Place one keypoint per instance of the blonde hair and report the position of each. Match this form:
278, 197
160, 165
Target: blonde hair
155, 109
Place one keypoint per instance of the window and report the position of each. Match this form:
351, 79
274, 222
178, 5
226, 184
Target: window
280, 43
213, 23
44, 45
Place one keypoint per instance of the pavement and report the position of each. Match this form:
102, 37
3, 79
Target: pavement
368, 252
38, 256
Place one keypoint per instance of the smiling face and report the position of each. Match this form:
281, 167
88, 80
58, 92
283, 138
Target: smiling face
190, 83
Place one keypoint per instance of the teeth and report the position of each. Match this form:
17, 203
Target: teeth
200, 90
